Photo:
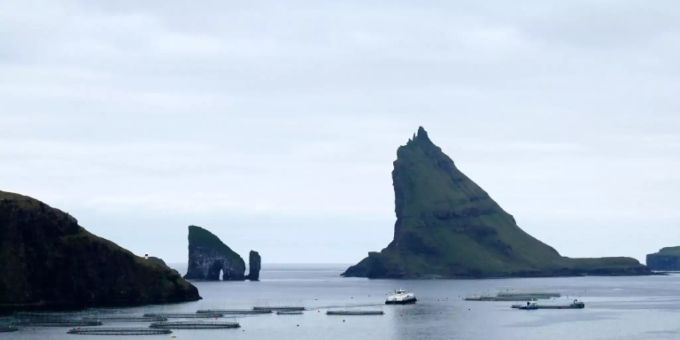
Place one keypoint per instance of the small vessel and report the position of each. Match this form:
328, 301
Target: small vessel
401, 297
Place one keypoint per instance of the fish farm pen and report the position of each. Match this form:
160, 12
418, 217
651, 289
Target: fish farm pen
289, 312
280, 308
355, 312
128, 318
58, 323
234, 311
48, 315
6, 329
118, 331
194, 325
185, 316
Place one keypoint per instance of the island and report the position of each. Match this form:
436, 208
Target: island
448, 227
666, 259
212, 260
50, 262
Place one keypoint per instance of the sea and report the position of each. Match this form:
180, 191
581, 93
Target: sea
641, 307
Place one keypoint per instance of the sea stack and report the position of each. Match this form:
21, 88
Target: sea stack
50, 262
254, 266
209, 257
448, 227
666, 259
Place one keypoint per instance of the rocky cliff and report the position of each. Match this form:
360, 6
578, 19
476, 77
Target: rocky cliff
254, 266
209, 257
667, 259
49, 261
447, 227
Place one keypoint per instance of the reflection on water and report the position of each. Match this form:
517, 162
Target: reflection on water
616, 308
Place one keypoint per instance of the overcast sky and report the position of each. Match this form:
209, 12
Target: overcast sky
275, 123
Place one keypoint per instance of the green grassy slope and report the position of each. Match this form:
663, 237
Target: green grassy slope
49, 261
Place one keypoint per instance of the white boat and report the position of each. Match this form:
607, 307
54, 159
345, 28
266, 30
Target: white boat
400, 297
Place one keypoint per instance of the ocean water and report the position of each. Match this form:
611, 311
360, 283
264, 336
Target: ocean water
616, 308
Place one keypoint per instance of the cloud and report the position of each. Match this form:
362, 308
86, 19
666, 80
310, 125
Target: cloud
118, 111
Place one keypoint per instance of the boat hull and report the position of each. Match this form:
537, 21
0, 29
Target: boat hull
401, 302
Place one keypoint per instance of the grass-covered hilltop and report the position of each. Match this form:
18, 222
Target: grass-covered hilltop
448, 227
48, 261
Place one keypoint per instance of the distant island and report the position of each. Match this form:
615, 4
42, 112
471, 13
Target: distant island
448, 227
212, 260
666, 259
51, 262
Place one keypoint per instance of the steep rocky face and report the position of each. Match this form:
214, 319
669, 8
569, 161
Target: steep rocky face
447, 226
254, 265
49, 261
667, 259
209, 257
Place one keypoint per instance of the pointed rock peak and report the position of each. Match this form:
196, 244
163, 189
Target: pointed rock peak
420, 141
422, 133
421, 137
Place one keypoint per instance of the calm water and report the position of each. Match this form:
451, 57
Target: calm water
616, 308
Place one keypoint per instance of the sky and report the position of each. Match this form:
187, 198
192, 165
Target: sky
274, 124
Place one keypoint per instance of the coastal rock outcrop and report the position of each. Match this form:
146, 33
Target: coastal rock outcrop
448, 227
211, 259
49, 261
254, 266
666, 259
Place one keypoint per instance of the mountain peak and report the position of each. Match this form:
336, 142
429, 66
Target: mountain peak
422, 133
421, 136
448, 226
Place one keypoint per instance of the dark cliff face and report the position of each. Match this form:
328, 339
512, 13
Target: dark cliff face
208, 257
254, 265
447, 226
667, 259
49, 261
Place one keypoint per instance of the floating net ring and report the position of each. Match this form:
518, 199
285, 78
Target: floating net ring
118, 331
194, 325
123, 318
185, 316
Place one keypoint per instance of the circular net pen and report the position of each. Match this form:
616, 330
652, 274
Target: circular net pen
46, 315
185, 316
125, 318
194, 325
234, 311
355, 312
7, 329
289, 312
118, 331
279, 308
59, 323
